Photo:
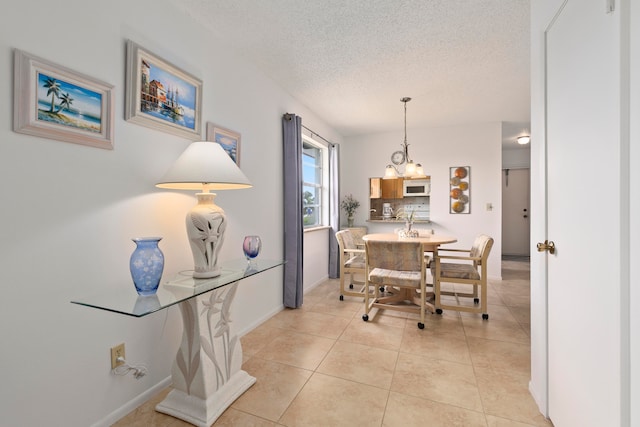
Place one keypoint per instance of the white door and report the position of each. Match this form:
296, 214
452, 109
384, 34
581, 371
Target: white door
515, 212
583, 140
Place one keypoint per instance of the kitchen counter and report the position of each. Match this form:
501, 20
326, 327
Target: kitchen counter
398, 221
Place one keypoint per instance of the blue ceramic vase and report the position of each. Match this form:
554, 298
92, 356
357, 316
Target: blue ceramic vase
146, 265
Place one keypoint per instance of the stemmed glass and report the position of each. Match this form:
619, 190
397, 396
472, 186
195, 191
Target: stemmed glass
251, 247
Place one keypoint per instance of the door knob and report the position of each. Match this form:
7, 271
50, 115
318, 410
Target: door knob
547, 246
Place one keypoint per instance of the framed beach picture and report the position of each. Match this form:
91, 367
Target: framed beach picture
161, 95
228, 139
52, 101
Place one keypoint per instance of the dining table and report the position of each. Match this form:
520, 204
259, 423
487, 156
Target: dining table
430, 243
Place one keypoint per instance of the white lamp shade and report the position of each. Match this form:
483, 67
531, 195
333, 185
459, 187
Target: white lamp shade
410, 169
204, 165
390, 172
522, 140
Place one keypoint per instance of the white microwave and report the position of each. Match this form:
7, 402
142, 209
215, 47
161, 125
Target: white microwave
416, 187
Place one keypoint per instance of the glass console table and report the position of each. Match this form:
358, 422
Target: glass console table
206, 374
176, 291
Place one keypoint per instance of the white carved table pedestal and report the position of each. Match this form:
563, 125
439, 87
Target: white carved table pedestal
207, 375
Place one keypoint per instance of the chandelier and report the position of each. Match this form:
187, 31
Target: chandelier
411, 169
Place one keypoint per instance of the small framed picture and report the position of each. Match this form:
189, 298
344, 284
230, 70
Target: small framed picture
460, 190
162, 96
228, 139
52, 101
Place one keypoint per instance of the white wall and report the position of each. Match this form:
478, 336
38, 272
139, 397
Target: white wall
437, 149
514, 158
518, 157
69, 211
316, 257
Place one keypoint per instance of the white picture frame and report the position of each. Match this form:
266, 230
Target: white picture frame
228, 139
161, 96
80, 109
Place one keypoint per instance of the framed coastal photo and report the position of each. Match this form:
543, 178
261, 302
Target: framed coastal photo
228, 139
161, 96
55, 102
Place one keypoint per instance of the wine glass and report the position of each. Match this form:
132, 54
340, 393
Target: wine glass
251, 247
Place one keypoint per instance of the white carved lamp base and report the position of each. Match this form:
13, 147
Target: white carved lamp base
207, 375
206, 224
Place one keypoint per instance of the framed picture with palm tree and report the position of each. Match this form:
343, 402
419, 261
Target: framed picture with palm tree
55, 102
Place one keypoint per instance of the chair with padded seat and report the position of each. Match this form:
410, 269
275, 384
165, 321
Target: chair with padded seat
467, 272
352, 264
422, 232
401, 266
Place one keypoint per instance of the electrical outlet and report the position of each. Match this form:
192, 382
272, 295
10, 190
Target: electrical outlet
117, 351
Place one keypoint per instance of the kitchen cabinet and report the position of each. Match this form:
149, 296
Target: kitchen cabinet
375, 188
392, 188
385, 188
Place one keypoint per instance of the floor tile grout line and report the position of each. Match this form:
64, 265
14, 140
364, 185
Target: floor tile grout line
296, 396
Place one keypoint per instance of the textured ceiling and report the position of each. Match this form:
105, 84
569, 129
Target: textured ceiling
350, 61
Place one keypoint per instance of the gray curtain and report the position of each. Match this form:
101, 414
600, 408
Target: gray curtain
293, 227
334, 209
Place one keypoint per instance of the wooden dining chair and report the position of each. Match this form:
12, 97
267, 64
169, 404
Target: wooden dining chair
352, 264
398, 265
467, 273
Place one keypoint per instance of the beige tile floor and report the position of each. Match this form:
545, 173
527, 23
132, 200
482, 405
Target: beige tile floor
321, 365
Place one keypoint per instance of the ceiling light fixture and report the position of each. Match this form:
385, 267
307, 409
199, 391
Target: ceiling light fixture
411, 169
523, 140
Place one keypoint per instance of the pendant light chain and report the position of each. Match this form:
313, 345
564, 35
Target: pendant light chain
406, 146
405, 123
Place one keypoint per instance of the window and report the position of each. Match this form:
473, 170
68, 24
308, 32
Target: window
314, 183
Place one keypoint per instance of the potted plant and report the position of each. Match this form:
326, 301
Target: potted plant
350, 205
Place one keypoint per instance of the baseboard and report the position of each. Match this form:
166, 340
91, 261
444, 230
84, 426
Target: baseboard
122, 411
307, 288
260, 321
277, 310
541, 403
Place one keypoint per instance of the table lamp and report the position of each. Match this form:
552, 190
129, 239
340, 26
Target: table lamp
205, 166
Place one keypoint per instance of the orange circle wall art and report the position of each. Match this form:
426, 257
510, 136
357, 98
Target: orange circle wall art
459, 190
